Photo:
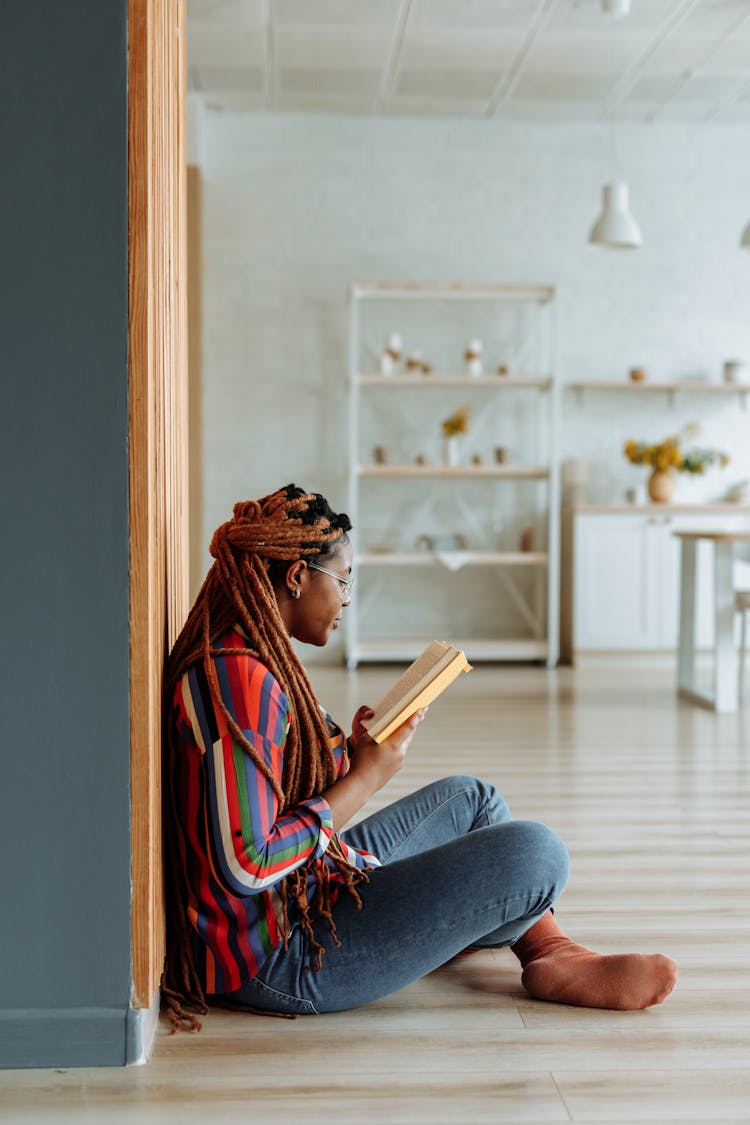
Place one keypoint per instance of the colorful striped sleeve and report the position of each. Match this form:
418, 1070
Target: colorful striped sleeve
253, 848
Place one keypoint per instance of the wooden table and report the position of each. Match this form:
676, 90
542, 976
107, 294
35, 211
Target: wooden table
725, 695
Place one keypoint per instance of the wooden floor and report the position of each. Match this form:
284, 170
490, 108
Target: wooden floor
652, 797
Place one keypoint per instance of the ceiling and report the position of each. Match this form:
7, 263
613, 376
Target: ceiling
667, 60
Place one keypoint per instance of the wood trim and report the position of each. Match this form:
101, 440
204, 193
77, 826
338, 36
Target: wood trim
195, 374
158, 437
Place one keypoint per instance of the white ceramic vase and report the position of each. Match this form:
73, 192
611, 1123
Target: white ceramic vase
451, 450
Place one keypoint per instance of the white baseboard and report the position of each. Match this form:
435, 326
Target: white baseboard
142, 1024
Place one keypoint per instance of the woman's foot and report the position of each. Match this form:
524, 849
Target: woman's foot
557, 969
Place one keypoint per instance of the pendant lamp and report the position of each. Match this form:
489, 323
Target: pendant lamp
616, 8
745, 238
615, 228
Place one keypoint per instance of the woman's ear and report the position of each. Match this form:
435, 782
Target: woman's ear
294, 578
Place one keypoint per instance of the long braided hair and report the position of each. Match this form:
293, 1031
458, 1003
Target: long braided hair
252, 550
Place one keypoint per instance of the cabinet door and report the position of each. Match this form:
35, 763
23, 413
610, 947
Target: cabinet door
616, 600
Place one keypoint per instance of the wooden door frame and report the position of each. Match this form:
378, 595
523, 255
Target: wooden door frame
158, 430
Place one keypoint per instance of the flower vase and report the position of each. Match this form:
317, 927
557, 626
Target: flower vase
661, 486
451, 450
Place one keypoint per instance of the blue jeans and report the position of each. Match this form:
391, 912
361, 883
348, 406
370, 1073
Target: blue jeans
457, 871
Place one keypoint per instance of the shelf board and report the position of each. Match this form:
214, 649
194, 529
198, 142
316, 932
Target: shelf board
435, 381
476, 649
694, 386
416, 290
535, 472
468, 557
650, 508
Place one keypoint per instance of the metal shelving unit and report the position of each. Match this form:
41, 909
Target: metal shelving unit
527, 580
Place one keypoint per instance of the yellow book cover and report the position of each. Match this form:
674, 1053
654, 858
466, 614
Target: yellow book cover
424, 680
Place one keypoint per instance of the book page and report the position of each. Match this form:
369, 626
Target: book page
411, 679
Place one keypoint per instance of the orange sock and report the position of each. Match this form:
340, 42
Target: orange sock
556, 969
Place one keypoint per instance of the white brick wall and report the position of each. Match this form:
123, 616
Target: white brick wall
296, 207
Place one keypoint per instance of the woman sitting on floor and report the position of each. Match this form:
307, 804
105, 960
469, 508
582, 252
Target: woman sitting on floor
272, 903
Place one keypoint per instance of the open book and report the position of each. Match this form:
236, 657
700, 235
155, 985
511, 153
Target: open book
422, 682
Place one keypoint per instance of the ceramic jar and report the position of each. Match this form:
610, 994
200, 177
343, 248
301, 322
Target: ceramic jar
661, 486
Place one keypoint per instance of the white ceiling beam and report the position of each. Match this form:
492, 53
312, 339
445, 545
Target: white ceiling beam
632, 73
507, 83
743, 88
269, 56
682, 79
392, 65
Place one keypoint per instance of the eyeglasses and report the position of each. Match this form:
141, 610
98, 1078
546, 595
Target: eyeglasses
345, 583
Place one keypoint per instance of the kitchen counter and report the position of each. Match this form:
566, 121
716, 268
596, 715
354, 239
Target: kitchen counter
619, 572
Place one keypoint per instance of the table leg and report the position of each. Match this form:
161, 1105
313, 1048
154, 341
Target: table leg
686, 643
725, 651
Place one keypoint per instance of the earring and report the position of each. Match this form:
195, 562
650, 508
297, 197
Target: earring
296, 592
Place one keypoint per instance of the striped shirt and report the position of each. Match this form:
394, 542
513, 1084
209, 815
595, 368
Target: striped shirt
235, 847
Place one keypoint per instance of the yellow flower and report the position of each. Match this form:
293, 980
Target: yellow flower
458, 423
666, 455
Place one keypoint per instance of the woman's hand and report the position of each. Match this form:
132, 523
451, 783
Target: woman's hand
402, 734
358, 731
381, 760
372, 765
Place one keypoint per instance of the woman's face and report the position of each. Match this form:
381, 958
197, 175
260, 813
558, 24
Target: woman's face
317, 612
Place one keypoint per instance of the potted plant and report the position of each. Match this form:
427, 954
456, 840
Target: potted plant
452, 428
668, 457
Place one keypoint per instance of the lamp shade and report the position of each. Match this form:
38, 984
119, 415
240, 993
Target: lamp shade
616, 8
616, 227
745, 238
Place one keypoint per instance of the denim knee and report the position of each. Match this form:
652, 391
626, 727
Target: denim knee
546, 856
487, 802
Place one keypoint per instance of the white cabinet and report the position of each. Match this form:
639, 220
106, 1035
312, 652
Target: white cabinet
463, 549
617, 603
626, 576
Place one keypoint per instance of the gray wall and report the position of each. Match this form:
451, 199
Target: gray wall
64, 739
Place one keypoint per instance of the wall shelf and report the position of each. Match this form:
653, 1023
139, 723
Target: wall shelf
689, 387
417, 290
448, 558
470, 382
477, 649
511, 472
